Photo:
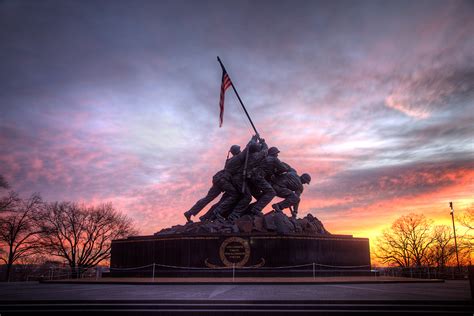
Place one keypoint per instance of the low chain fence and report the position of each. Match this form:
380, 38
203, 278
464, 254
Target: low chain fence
156, 270
313, 269
27, 273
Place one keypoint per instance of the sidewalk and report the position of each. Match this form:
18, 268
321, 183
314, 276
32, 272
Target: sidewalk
248, 280
33, 291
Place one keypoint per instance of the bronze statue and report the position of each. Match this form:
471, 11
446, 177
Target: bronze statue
221, 182
235, 205
262, 170
290, 187
239, 179
256, 171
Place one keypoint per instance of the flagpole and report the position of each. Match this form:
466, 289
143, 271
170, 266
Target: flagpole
238, 97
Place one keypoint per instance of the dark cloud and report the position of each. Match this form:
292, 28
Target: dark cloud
362, 187
422, 93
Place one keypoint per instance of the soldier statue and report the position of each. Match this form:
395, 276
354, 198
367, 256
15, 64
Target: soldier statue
255, 171
261, 172
221, 182
239, 179
231, 202
290, 187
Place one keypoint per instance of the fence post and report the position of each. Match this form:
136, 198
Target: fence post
314, 272
233, 272
153, 272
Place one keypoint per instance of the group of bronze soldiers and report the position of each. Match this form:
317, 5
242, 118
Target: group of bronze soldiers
255, 172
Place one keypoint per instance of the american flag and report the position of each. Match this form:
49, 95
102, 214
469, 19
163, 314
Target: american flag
226, 83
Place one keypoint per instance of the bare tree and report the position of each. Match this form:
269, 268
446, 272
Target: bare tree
442, 249
18, 231
82, 235
8, 201
466, 244
407, 241
4, 205
392, 248
467, 219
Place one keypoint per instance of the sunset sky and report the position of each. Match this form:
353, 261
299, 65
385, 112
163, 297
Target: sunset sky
118, 101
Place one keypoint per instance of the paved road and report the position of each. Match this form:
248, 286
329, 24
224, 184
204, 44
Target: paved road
449, 290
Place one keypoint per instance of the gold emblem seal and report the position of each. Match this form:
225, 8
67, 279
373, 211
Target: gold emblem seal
234, 251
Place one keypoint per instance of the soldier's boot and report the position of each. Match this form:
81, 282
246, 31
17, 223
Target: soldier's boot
293, 212
206, 217
277, 208
188, 216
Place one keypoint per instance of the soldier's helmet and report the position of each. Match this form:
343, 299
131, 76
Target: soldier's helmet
305, 178
235, 149
254, 147
272, 151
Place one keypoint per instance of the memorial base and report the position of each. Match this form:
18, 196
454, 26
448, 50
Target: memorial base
224, 255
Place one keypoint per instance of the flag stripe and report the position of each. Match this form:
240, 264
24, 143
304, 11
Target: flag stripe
226, 83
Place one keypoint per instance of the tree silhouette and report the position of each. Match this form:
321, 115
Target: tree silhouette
406, 243
467, 238
18, 230
82, 235
467, 219
442, 249
10, 200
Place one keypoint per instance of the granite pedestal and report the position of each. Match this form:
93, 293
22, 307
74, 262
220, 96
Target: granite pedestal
252, 254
